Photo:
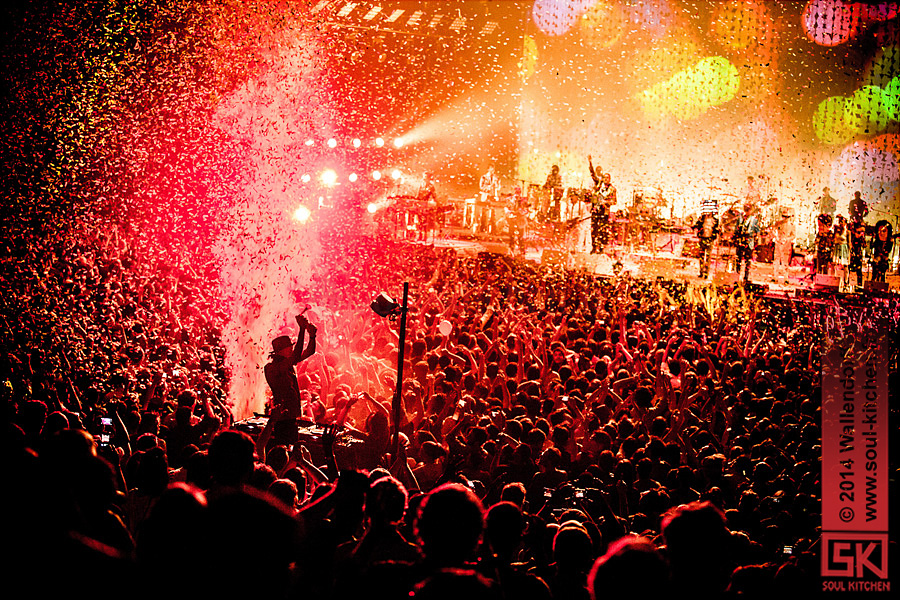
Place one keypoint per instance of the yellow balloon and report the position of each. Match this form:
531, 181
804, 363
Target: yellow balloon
603, 25
828, 121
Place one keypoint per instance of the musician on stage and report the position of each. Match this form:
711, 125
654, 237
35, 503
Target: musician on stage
882, 244
604, 197
489, 188
578, 220
784, 232
858, 208
826, 203
554, 184
744, 239
707, 227
639, 221
824, 244
517, 221
856, 233
427, 199
752, 193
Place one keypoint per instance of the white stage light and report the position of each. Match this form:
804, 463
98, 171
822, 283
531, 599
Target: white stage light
376, 175
332, 143
379, 142
372, 208
353, 177
396, 174
329, 177
305, 178
398, 143
302, 214
357, 142
309, 142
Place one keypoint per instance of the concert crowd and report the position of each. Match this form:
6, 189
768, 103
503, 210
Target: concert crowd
560, 435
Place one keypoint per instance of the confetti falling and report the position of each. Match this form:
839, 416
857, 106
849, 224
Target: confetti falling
198, 129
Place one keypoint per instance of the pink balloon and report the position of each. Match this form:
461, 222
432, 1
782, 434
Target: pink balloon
829, 22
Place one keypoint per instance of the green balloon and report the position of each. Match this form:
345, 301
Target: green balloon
891, 99
829, 123
865, 110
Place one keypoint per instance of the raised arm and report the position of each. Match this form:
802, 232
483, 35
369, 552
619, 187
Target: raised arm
594, 173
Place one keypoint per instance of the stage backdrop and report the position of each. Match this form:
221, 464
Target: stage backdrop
692, 98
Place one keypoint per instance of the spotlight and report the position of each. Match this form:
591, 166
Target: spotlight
353, 177
372, 208
384, 306
302, 214
379, 142
309, 142
329, 177
396, 174
376, 175
357, 142
332, 143
305, 178
398, 143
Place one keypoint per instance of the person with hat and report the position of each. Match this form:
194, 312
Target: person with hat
282, 377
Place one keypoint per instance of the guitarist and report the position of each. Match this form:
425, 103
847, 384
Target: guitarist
604, 196
744, 239
579, 214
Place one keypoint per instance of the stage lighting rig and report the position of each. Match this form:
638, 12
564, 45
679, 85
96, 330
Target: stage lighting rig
384, 306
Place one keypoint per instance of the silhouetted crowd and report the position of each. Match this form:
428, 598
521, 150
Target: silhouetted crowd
560, 435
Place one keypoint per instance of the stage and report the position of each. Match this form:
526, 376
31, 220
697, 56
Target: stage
643, 262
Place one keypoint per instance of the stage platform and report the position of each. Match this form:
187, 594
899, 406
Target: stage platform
644, 263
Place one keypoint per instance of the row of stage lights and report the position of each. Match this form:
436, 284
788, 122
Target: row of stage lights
357, 143
329, 177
